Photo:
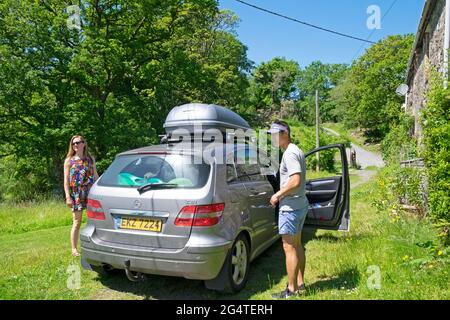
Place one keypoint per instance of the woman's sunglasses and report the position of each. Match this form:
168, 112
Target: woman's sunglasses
77, 142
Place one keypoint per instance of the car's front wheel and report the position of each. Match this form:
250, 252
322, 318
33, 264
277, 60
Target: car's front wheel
234, 273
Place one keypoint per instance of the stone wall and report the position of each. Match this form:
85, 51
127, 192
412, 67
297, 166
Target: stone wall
429, 55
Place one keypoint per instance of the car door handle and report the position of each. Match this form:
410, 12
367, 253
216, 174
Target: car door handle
261, 206
257, 194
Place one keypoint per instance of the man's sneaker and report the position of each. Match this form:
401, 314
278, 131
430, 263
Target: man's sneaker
285, 294
300, 290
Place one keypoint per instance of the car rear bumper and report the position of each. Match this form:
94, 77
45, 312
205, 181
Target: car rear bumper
194, 261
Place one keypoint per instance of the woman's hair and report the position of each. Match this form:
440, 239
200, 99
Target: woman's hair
71, 152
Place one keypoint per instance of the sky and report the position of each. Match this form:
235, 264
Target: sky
268, 36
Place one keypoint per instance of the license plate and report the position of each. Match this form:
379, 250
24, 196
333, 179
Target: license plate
141, 224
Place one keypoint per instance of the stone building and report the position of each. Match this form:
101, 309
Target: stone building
430, 52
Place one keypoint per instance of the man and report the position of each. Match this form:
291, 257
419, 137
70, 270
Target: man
293, 207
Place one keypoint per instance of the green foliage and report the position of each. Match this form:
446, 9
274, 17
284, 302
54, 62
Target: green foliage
34, 265
279, 88
22, 180
321, 77
436, 129
366, 97
398, 185
113, 81
435, 254
398, 145
304, 137
272, 84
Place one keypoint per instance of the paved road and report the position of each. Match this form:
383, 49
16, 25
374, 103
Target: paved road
364, 157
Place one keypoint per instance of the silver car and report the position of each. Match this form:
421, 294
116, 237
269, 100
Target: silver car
161, 210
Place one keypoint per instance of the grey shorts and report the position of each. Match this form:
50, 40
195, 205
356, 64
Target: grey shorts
291, 222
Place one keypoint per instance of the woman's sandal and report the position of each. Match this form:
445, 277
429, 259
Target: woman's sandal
75, 254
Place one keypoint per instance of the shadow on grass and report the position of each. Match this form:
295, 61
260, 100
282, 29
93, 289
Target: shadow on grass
346, 280
265, 271
311, 234
333, 239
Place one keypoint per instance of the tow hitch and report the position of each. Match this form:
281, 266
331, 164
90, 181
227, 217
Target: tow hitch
131, 275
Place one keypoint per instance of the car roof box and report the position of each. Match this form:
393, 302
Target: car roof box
200, 117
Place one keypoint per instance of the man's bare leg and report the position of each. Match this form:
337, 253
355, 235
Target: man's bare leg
292, 261
301, 260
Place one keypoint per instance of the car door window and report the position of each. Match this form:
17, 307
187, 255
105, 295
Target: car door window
231, 173
249, 172
241, 170
329, 165
254, 173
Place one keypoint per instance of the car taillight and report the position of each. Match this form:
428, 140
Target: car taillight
95, 210
200, 216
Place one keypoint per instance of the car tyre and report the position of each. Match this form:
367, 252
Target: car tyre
233, 276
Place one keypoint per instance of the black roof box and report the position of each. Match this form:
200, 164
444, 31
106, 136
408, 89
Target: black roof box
199, 116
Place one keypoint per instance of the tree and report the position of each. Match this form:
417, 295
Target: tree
113, 80
366, 98
321, 77
272, 84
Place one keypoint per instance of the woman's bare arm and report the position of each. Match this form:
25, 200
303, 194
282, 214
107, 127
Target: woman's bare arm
66, 178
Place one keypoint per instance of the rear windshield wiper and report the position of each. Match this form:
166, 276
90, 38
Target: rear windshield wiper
150, 186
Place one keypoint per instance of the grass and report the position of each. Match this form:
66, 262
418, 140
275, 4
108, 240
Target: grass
354, 177
353, 136
35, 261
20, 218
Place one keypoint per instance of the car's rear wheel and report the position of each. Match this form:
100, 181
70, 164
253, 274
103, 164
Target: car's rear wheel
234, 273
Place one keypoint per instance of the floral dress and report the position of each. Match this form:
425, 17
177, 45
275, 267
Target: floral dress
81, 178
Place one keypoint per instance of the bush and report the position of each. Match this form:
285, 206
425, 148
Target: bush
398, 185
305, 138
398, 144
22, 180
436, 129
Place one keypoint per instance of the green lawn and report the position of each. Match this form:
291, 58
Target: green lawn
35, 261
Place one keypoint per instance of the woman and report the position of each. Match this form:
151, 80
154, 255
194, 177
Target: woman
80, 174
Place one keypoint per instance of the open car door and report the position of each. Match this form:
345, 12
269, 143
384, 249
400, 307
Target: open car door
328, 189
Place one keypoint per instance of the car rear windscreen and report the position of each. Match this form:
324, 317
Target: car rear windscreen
137, 170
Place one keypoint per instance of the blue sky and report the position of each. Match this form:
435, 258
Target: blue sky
268, 36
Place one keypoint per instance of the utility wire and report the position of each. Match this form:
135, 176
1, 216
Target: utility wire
304, 23
373, 31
